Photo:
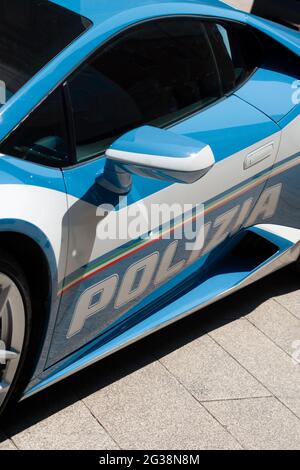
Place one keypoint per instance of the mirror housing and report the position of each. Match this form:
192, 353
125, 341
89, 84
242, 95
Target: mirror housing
155, 153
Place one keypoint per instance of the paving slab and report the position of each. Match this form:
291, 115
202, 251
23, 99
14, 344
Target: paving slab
71, 428
5, 443
259, 423
149, 409
276, 322
245, 5
291, 300
273, 367
210, 373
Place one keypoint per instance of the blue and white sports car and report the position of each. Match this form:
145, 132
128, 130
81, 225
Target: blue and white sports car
111, 107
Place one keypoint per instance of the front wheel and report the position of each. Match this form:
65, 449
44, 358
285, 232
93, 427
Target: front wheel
15, 318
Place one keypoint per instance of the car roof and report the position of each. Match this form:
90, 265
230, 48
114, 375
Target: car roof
100, 10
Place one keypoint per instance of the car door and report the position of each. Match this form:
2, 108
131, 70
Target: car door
178, 74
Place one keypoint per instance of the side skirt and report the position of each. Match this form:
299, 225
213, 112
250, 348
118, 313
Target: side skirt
216, 287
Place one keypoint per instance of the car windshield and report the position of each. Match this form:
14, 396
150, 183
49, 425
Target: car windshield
32, 32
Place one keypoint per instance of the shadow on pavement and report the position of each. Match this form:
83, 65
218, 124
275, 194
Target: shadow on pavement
37, 408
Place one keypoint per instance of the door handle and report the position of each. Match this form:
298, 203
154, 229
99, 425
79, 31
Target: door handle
259, 155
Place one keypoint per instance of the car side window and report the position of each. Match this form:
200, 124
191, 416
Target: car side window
42, 137
237, 51
154, 73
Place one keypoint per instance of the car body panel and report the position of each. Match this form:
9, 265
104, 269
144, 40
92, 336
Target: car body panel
34, 205
258, 92
288, 212
58, 208
26, 180
87, 254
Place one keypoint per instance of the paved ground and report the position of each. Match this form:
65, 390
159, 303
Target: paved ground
222, 379
242, 4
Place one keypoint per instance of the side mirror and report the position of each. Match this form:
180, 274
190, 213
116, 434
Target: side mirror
155, 153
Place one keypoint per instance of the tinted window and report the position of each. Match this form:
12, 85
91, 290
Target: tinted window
42, 137
237, 52
32, 32
155, 73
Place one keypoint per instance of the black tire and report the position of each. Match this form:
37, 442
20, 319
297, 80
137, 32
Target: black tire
11, 268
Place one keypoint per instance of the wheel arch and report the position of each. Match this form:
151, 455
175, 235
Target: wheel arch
13, 232
31, 258
29, 246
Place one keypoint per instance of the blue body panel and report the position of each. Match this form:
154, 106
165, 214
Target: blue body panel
228, 127
261, 89
16, 171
